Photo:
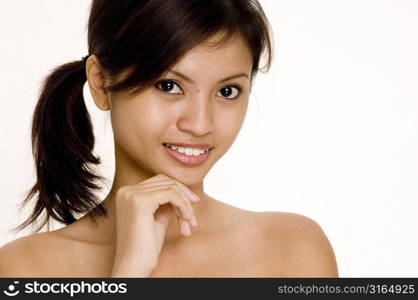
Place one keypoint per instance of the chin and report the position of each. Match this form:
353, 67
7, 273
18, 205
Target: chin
188, 177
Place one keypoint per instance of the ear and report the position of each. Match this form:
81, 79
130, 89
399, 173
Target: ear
97, 81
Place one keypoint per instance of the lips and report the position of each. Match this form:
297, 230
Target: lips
185, 159
202, 146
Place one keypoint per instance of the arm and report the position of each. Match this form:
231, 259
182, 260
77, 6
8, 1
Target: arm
125, 269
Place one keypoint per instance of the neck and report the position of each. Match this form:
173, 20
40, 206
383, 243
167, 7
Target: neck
106, 230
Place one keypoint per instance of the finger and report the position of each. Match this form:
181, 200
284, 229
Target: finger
162, 180
185, 227
157, 178
181, 207
151, 181
193, 197
178, 214
185, 198
163, 220
168, 181
192, 221
174, 196
150, 199
179, 199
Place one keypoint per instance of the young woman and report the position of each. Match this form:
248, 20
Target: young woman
176, 77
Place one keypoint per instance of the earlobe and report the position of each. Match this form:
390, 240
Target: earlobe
96, 81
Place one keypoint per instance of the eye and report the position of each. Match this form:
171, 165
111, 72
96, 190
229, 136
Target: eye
169, 86
230, 92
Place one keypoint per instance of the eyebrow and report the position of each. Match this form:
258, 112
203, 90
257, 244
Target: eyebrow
220, 81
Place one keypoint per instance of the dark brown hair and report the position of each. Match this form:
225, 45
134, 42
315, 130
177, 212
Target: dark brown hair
146, 37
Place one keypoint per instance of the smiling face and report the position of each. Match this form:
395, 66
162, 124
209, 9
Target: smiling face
202, 99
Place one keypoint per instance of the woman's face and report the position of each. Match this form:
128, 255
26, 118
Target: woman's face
201, 99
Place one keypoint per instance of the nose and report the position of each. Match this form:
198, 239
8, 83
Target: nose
196, 117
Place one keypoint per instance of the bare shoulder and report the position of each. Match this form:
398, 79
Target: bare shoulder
22, 257
296, 246
53, 254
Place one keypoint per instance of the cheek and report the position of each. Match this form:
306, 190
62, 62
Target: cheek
138, 123
127, 126
123, 124
229, 125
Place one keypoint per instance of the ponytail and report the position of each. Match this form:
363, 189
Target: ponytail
62, 145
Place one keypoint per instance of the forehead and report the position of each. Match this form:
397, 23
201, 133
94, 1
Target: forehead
231, 55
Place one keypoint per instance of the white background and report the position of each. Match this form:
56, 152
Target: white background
331, 131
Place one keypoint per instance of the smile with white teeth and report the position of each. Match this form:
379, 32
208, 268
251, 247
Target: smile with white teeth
187, 151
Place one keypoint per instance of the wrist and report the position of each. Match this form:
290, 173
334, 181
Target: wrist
130, 271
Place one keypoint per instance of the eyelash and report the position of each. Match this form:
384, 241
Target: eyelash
158, 83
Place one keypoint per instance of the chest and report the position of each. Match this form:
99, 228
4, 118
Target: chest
236, 255
220, 255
